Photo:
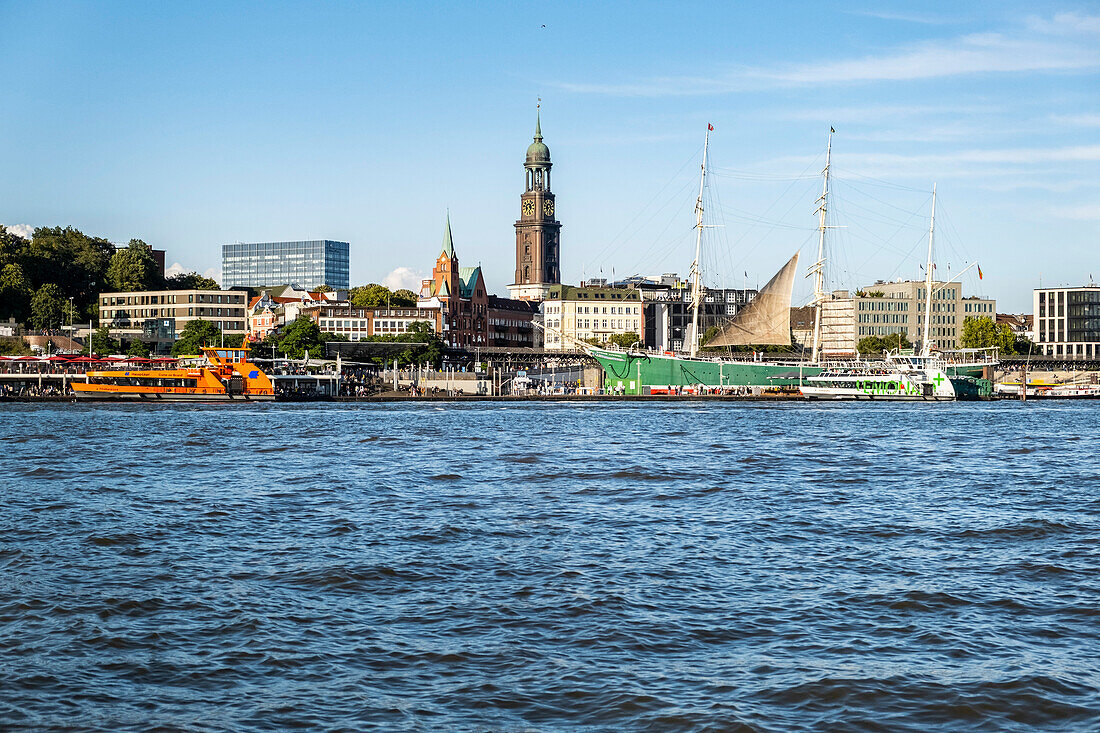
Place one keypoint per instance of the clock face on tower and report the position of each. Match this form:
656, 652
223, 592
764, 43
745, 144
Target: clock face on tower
528, 207
548, 207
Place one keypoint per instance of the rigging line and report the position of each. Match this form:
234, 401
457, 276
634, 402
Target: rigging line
856, 187
879, 181
871, 214
608, 250
744, 234
646, 207
739, 175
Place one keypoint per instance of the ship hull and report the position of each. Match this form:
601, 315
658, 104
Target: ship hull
642, 373
83, 394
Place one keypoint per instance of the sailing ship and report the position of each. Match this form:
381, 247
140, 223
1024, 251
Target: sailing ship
764, 321
222, 374
904, 375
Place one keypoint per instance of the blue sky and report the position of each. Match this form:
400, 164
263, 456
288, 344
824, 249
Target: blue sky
190, 125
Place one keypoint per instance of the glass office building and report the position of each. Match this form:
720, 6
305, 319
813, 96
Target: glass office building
265, 264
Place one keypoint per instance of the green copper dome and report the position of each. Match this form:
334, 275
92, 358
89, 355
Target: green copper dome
537, 152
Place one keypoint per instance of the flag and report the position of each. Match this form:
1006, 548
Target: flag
979, 272
710, 127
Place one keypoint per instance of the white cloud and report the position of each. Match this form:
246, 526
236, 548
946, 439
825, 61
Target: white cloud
175, 269
904, 17
1068, 42
214, 273
21, 230
1086, 212
403, 277
1081, 120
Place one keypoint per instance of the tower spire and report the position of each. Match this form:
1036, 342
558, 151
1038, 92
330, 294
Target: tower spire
448, 241
538, 120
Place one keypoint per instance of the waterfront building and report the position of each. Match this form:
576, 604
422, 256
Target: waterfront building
1022, 325
458, 293
669, 312
159, 316
1067, 321
898, 307
276, 307
573, 314
511, 323
538, 232
887, 308
358, 324
308, 264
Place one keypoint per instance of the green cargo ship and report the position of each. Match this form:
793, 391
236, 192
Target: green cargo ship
640, 372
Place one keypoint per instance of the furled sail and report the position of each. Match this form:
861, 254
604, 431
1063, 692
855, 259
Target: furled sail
766, 319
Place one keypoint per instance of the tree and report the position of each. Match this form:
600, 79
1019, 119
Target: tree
47, 307
980, 332
196, 334
190, 281
299, 337
878, 344
371, 296
133, 268
624, 340
11, 247
102, 343
403, 298
14, 347
76, 263
15, 292
138, 348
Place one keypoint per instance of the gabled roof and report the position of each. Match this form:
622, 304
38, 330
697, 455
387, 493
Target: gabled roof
468, 277
444, 289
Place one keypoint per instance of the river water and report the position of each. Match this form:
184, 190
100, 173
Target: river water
626, 566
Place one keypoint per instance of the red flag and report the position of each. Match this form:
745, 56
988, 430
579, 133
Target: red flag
979, 272
710, 127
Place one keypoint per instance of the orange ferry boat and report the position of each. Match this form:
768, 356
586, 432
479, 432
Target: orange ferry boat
224, 374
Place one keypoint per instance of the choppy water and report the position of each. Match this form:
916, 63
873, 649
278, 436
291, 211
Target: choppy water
550, 567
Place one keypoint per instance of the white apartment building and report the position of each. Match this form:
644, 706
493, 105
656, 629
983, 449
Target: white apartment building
572, 314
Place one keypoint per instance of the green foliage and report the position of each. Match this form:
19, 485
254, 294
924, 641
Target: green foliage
47, 307
74, 262
709, 334
15, 292
133, 268
379, 296
14, 347
138, 348
102, 343
626, 340
296, 338
190, 281
425, 346
195, 335
879, 344
404, 298
980, 332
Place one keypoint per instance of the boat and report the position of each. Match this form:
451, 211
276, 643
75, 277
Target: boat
894, 378
764, 321
1043, 390
220, 374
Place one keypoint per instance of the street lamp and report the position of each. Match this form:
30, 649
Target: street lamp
70, 322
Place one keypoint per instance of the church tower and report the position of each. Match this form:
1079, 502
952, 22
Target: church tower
537, 231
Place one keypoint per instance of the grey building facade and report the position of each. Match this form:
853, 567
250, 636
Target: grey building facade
264, 264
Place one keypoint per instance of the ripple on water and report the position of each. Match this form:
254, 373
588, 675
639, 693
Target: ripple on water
636, 567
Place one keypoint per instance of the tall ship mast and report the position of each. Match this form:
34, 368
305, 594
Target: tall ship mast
818, 269
765, 320
926, 340
696, 266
